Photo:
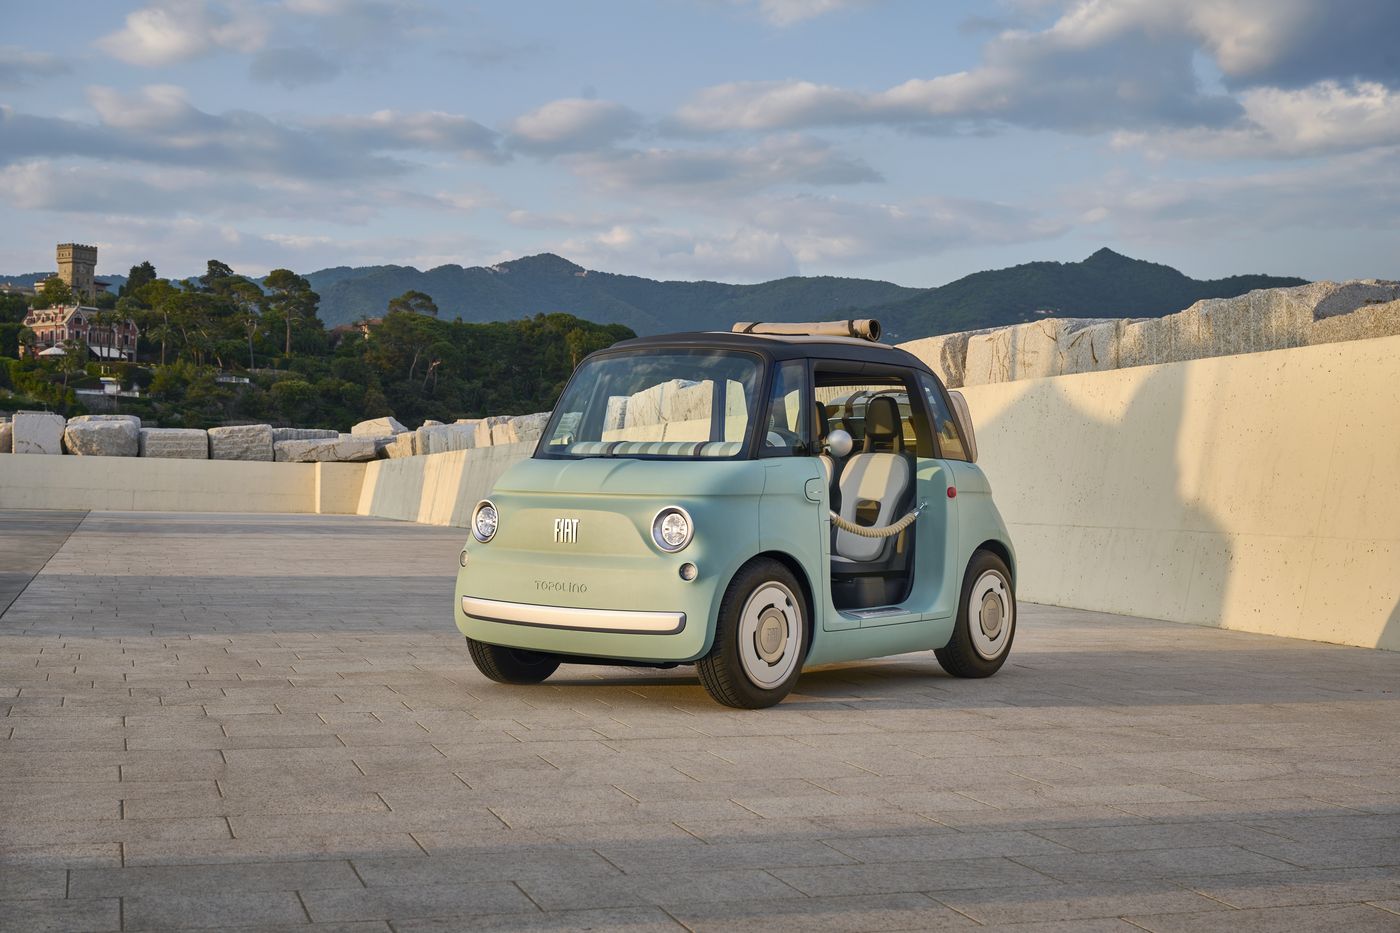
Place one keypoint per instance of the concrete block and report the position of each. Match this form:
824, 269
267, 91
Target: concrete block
37, 432
241, 442
338, 450
442, 438
118, 438
84, 419
403, 445
175, 443
302, 434
430, 423
945, 354
521, 429
486, 428
1370, 320
378, 427
338, 487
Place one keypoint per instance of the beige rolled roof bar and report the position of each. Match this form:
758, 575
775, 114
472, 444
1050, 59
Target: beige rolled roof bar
863, 329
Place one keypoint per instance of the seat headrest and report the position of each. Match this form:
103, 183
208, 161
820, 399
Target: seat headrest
823, 425
882, 419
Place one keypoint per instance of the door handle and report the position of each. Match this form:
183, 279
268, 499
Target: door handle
814, 490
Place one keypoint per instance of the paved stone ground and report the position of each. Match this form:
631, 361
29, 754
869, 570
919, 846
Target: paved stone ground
269, 721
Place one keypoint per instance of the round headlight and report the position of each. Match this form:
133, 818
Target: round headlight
672, 529
484, 521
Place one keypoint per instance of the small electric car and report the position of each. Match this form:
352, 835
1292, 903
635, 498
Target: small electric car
751, 503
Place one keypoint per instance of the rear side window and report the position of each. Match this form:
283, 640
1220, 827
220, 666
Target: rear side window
945, 426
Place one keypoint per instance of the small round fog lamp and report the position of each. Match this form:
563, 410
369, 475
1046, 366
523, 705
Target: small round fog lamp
689, 572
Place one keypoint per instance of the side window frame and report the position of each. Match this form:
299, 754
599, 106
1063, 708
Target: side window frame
801, 371
935, 385
926, 440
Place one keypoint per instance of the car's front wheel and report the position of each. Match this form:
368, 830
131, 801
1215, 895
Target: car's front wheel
511, 665
760, 640
986, 622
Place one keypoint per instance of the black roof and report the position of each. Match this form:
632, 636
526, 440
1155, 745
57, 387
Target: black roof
781, 347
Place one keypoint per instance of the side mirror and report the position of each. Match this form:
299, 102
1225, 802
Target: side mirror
839, 444
964, 416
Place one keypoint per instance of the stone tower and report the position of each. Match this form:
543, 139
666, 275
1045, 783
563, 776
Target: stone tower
76, 265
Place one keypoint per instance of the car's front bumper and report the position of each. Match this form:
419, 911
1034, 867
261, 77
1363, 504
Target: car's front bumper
617, 621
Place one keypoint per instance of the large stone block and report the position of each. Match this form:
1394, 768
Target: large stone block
486, 427
520, 429
378, 427
37, 432
7, 437
343, 449
241, 442
119, 438
175, 443
945, 354
302, 434
403, 445
83, 419
1370, 320
440, 439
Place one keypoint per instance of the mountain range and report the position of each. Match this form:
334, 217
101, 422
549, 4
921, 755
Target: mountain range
1106, 284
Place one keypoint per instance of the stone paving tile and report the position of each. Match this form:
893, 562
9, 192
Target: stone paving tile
269, 722
58, 915
1074, 901
824, 915
174, 910
1354, 918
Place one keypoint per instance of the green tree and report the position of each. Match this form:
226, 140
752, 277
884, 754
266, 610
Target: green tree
292, 300
54, 293
13, 308
74, 359
414, 302
139, 276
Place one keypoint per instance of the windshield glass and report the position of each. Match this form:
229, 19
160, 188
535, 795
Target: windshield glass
677, 404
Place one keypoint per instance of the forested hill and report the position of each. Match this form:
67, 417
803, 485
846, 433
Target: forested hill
548, 283
1106, 284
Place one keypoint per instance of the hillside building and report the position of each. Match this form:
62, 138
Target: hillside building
106, 341
77, 267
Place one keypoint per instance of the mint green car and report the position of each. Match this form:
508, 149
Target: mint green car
750, 503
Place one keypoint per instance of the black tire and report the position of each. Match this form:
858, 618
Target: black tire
511, 665
961, 656
724, 672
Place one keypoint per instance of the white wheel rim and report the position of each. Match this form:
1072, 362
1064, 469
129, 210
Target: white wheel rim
991, 615
770, 635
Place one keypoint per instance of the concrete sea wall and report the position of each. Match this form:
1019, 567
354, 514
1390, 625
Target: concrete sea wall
156, 485
1257, 492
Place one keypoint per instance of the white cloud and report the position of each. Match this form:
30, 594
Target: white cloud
823, 231
159, 125
1323, 119
707, 173
18, 66
572, 125
1102, 65
386, 130
743, 255
791, 12
1359, 191
172, 31
292, 67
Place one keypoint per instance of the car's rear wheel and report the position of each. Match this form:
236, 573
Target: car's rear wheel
511, 665
986, 623
760, 640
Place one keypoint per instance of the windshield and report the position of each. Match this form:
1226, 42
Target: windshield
676, 404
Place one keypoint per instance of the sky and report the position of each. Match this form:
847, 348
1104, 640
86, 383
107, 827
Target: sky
735, 140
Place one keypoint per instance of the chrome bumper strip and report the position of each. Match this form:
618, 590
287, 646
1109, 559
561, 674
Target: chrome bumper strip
624, 621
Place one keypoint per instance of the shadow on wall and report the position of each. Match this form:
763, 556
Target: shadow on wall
1390, 635
1092, 486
